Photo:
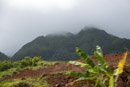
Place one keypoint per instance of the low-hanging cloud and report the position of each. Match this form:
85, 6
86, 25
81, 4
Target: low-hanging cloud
23, 20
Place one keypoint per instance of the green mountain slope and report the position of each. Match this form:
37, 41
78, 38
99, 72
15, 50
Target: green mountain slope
62, 47
3, 56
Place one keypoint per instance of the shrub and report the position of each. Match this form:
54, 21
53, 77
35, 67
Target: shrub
28, 61
5, 65
35, 60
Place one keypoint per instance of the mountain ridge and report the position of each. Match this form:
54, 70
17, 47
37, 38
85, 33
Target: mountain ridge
62, 47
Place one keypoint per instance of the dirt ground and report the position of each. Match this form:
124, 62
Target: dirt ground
56, 74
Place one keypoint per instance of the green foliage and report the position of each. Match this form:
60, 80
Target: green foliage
28, 61
7, 72
34, 63
8, 67
35, 60
101, 74
85, 58
5, 65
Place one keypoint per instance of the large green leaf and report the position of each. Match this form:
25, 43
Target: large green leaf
99, 55
100, 73
85, 57
80, 64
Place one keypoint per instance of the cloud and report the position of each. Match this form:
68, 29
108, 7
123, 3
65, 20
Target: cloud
42, 5
23, 20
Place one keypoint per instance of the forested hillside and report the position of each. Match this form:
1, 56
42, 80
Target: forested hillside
3, 56
62, 47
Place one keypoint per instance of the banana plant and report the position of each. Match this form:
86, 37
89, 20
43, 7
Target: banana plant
99, 73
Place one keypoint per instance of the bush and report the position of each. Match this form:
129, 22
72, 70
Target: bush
35, 60
5, 65
28, 61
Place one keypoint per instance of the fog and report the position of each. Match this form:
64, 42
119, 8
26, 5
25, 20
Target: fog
21, 21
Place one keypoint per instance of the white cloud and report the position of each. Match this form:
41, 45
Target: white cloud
42, 5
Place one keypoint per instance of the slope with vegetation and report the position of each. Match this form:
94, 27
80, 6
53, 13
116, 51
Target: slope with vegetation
10, 72
61, 47
3, 56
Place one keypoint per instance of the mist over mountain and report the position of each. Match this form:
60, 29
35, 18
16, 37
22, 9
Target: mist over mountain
62, 46
23, 20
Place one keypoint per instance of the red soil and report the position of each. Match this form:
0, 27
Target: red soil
113, 59
58, 68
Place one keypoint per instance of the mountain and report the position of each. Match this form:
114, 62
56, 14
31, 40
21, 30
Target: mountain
3, 56
62, 47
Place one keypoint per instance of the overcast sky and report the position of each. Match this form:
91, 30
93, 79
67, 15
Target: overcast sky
23, 20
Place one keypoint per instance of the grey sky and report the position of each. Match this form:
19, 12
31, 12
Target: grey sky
23, 20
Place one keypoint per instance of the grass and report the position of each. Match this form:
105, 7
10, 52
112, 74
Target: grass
7, 72
43, 64
38, 82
